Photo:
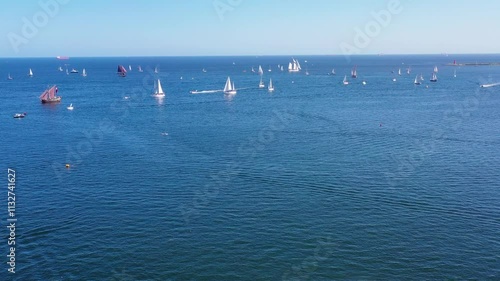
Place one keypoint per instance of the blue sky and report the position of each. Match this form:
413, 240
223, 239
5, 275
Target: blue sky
246, 27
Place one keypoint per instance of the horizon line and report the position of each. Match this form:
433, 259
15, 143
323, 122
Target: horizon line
252, 55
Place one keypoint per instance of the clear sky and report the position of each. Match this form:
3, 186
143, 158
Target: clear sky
246, 27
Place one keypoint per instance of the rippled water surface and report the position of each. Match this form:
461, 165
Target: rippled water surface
316, 181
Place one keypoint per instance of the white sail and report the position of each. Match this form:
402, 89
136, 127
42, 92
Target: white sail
30, 73
158, 92
229, 87
399, 71
261, 83
84, 73
298, 64
294, 66
270, 88
435, 69
260, 70
345, 80
434, 77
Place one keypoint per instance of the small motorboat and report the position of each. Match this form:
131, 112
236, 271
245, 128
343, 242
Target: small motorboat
20, 115
73, 71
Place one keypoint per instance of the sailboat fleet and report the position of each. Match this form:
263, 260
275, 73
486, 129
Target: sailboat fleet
50, 94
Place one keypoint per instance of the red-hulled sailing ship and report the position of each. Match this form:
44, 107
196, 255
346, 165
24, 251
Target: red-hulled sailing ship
122, 72
49, 96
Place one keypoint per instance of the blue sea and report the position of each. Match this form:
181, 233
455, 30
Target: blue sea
315, 181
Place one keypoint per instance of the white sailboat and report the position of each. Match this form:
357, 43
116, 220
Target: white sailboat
434, 77
333, 71
139, 69
261, 83
70, 107
30, 73
156, 69
129, 67
408, 70
399, 71
60, 68
84, 73
9, 77
281, 68
294, 66
229, 87
421, 77
455, 73
435, 69
260, 70
270, 88
416, 82
345, 82
269, 69
158, 91
253, 70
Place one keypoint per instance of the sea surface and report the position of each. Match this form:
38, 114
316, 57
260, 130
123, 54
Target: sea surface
315, 181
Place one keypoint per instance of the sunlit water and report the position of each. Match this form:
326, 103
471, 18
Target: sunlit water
316, 181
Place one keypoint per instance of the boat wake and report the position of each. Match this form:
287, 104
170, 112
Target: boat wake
205, 91
213, 91
490, 85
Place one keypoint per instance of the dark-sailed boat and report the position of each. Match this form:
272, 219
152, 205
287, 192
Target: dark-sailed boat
122, 72
49, 96
354, 73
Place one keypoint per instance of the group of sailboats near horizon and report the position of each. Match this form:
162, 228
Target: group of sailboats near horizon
230, 89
